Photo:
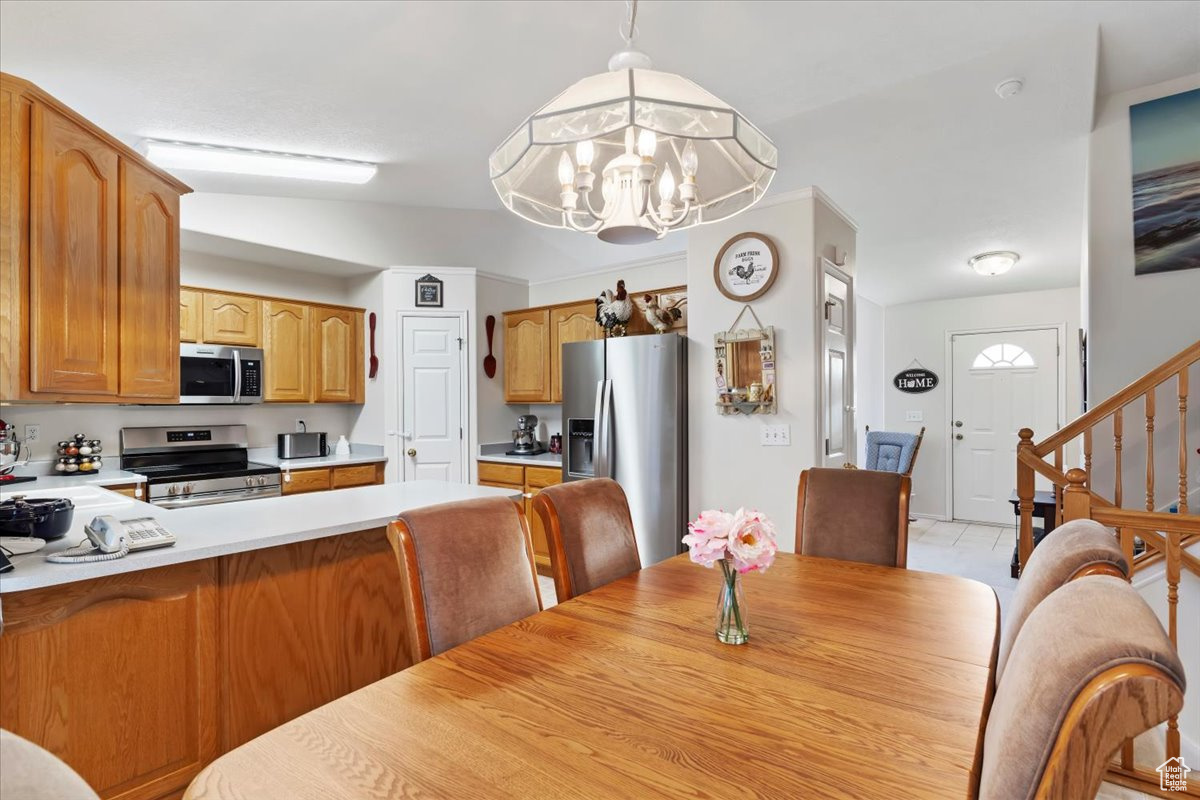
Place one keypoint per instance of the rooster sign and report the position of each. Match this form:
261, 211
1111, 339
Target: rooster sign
746, 266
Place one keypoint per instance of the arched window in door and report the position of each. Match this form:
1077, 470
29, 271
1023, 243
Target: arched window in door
1003, 356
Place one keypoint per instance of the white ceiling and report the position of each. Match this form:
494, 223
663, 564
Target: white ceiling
887, 106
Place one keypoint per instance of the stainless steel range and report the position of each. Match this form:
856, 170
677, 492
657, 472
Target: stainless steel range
195, 465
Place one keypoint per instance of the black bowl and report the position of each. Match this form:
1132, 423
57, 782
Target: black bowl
46, 518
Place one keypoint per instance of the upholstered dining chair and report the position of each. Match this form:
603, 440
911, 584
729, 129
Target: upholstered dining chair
590, 534
29, 772
466, 569
853, 515
1090, 668
1072, 550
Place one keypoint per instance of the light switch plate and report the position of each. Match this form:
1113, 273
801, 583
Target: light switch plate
914, 416
775, 435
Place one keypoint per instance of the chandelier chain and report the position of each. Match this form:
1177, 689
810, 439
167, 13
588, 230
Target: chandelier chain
628, 31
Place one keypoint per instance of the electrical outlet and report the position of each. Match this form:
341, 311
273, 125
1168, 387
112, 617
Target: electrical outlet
775, 435
914, 416
32, 433
300, 427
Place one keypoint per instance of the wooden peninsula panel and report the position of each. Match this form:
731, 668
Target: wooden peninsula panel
304, 624
141, 679
117, 676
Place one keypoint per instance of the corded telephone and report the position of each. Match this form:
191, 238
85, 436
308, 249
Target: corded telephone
109, 539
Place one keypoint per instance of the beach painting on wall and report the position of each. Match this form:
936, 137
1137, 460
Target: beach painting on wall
1165, 137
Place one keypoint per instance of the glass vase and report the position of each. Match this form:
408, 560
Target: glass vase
732, 624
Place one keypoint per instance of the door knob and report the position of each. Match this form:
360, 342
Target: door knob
958, 423
958, 436
413, 453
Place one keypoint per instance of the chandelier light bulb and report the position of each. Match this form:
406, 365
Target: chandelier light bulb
666, 186
566, 170
689, 162
585, 151
647, 143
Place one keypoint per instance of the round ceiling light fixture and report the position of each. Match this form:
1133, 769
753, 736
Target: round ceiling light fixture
642, 129
1009, 87
994, 263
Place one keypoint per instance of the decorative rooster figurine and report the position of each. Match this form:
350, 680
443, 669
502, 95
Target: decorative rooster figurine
614, 310
661, 318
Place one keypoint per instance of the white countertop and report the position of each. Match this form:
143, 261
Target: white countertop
495, 453
222, 529
47, 478
359, 454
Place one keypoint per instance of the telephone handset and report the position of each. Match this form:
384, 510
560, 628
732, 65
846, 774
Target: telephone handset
110, 539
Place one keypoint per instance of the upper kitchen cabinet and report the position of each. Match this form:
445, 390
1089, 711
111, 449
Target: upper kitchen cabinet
191, 314
232, 319
573, 323
149, 273
527, 356
89, 238
337, 373
287, 338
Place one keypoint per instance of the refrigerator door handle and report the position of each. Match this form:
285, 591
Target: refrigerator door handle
602, 436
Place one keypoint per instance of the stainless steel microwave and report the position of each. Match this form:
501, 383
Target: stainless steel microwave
216, 374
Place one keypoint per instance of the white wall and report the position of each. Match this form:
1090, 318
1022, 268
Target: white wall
728, 467
869, 377
233, 275
1134, 322
494, 296
919, 330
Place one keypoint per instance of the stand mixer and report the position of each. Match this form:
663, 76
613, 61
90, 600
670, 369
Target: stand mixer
10, 454
525, 441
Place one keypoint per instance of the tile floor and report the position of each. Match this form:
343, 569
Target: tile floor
982, 552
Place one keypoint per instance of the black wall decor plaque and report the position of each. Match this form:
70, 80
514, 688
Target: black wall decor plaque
915, 381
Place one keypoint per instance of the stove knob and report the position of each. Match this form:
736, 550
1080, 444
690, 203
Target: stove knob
172, 490
188, 489
249, 481
262, 480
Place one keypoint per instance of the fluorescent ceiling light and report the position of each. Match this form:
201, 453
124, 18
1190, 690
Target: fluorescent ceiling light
995, 263
211, 158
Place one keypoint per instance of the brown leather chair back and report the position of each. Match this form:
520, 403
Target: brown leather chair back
1090, 668
1075, 549
853, 515
590, 534
466, 569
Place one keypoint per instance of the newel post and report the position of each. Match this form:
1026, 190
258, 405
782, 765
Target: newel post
1025, 488
1077, 501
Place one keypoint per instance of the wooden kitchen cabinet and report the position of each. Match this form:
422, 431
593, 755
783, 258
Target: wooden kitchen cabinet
74, 280
527, 356
287, 338
528, 481
336, 356
149, 273
573, 323
88, 259
118, 676
344, 476
232, 319
191, 315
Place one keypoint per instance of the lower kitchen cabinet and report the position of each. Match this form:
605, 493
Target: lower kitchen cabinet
528, 481
140, 680
320, 479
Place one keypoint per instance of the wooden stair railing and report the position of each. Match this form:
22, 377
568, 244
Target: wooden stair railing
1164, 537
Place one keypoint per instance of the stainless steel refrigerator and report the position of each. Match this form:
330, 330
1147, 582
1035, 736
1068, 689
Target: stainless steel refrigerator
625, 413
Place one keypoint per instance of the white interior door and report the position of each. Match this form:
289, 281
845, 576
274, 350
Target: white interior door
1003, 382
837, 358
431, 438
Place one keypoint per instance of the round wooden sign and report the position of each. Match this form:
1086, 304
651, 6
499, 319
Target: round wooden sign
746, 266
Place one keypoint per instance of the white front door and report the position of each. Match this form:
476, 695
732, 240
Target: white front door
837, 357
1002, 382
432, 422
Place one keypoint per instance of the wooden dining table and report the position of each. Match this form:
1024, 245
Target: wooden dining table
858, 681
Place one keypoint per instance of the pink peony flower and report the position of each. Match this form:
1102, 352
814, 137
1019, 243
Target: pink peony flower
708, 536
752, 541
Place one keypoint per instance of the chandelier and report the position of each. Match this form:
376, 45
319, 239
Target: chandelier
640, 129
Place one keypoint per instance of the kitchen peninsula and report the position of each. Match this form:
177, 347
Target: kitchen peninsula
262, 611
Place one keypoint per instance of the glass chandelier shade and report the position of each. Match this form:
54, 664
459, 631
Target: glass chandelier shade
630, 154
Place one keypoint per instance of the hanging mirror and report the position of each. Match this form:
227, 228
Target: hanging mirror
745, 377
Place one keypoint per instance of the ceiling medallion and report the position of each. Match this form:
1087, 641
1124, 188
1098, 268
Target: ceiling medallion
645, 128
